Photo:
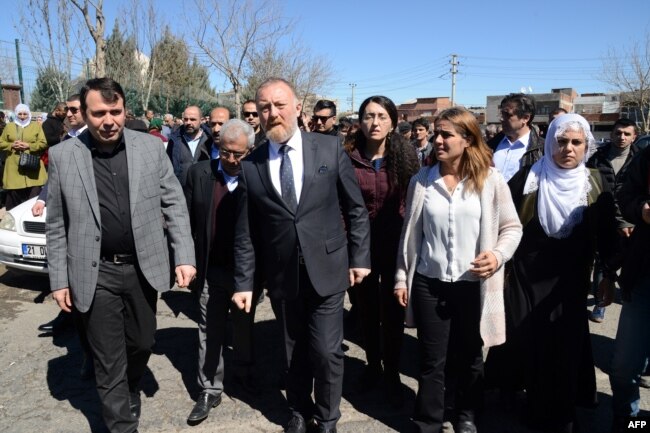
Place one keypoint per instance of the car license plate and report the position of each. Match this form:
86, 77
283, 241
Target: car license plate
34, 251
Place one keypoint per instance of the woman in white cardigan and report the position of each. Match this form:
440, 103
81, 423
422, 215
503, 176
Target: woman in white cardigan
459, 229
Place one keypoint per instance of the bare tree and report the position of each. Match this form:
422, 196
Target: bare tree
310, 74
96, 30
628, 71
52, 22
143, 24
228, 31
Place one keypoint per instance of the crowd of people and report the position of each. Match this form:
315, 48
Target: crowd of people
478, 239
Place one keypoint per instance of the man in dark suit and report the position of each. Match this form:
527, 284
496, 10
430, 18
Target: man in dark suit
298, 192
210, 193
114, 205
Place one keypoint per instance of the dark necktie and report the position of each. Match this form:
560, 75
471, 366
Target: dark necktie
286, 180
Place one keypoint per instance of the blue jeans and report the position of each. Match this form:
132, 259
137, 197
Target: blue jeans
631, 349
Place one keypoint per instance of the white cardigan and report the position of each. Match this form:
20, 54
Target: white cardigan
500, 232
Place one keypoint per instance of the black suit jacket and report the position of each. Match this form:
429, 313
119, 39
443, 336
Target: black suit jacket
266, 226
199, 195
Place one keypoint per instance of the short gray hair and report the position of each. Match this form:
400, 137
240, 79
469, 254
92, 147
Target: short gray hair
232, 129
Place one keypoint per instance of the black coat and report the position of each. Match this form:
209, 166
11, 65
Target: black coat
266, 225
599, 160
634, 192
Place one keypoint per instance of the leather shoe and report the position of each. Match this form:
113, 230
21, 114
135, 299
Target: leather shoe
323, 429
135, 404
296, 425
58, 324
204, 403
465, 427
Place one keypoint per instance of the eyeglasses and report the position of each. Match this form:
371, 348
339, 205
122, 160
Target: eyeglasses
73, 110
250, 113
236, 155
322, 119
371, 118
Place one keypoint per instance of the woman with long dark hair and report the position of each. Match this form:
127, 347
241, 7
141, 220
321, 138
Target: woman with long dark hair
460, 227
384, 163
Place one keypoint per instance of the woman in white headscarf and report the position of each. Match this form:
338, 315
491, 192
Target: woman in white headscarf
568, 214
22, 136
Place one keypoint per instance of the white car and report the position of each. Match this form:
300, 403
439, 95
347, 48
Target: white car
22, 239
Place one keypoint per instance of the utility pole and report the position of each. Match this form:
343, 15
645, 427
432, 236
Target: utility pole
353, 85
454, 71
20, 73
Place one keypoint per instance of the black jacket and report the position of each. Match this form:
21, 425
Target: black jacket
181, 156
599, 160
314, 234
633, 193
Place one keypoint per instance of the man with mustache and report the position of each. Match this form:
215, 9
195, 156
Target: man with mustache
294, 188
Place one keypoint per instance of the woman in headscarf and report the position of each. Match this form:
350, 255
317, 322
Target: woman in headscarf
22, 136
568, 213
460, 227
383, 162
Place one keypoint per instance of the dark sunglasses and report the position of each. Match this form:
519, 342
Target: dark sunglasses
322, 119
73, 110
250, 113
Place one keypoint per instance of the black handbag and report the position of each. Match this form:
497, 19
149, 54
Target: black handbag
29, 162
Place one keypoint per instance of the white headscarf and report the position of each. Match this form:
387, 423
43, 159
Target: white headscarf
562, 193
22, 108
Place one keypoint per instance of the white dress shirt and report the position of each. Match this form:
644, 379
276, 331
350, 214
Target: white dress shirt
508, 154
451, 226
75, 132
295, 156
194, 144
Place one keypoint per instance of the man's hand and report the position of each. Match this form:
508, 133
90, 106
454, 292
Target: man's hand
402, 296
62, 298
625, 232
605, 292
37, 209
645, 213
184, 275
243, 300
357, 275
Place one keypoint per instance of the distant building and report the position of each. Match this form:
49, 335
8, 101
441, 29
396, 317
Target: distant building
10, 96
428, 108
601, 110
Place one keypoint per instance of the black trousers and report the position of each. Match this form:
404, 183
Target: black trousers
121, 325
447, 316
18, 196
312, 330
382, 321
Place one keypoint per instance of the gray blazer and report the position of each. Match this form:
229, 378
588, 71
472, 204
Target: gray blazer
73, 226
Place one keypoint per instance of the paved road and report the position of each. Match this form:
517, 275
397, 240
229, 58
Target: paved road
40, 390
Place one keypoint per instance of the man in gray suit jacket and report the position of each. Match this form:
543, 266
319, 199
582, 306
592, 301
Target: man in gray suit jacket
114, 206
297, 189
